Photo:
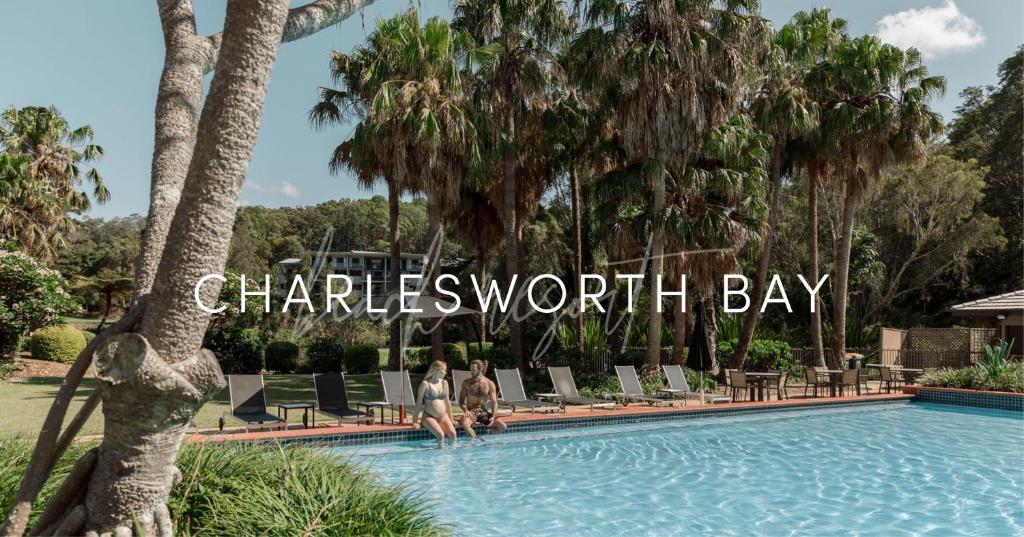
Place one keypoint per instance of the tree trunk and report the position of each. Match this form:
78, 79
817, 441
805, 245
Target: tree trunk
839, 290
512, 248
711, 322
395, 326
653, 361
481, 259
812, 248
178, 99
680, 322
739, 355
616, 338
434, 227
577, 251
153, 382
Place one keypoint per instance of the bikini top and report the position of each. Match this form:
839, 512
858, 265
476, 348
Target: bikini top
432, 394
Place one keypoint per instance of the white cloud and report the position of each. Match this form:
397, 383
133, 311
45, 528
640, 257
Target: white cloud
934, 30
283, 188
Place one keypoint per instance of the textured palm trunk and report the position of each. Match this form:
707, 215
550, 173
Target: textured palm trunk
739, 356
711, 326
512, 249
577, 251
434, 227
812, 248
616, 337
680, 325
481, 256
842, 279
653, 361
395, 327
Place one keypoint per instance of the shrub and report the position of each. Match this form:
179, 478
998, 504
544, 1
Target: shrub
496, 357
239, 350
596, 384
89, 336
288, 491
282, 356
325, 355
1009, 377
61, 343
764, 354
362, 359
455, 355
31, 297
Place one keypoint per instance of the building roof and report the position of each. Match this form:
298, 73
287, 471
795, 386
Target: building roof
1012, 302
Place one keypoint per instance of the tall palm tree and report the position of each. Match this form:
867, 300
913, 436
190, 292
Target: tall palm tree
875, 113
782, 107
415, 132
513, 75
54, 154
674, 69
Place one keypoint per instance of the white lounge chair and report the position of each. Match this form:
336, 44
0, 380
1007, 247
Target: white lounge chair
677, 386
632, 390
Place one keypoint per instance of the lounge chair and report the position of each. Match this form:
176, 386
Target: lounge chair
677, 385
332, 398
398, 390
632, 390
512, 393
565, 387
249, 402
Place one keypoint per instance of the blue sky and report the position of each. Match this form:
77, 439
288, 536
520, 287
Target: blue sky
99, 63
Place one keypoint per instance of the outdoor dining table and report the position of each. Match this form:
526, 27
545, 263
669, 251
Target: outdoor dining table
834, 377
909, 373
758, 380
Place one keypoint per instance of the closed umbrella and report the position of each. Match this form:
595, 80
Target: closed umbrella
698, 357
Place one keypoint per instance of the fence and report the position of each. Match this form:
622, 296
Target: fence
805, 356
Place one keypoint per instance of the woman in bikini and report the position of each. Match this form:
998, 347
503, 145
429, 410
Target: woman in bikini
433, 404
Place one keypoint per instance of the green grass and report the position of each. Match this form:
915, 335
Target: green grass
25, 402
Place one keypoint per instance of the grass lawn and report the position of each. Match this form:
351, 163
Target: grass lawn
25, 402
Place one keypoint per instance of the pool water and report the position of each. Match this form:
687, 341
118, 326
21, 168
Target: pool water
892, 469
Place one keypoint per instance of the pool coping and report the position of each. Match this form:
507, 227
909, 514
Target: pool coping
372, 434
961, 397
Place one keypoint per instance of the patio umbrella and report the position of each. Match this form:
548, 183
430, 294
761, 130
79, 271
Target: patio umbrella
698, 357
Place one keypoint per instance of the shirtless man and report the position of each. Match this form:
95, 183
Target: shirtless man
476, 392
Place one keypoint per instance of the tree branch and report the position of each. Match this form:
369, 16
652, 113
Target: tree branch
303, 21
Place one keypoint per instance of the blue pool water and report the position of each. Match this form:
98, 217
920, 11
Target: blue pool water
895, 469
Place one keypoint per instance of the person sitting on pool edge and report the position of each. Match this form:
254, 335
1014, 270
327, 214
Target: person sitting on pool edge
477, 392
433, 404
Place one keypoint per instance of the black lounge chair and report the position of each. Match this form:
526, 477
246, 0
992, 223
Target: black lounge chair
249, 402
332, 398
510, 386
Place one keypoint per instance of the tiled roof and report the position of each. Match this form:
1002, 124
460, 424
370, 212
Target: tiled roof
1007, 302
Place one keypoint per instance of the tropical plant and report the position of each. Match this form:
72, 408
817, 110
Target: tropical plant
673, 70
875, 113
55, 154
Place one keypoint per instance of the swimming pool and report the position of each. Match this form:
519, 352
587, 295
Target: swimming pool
893, 469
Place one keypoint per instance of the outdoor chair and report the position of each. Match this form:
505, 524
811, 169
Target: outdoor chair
677, 385
398, 390
249, 402
780, 385
813, 380
512, 393
632, 390
728, 380
737, 383
888, 379
565, 387
332, 398
849, 379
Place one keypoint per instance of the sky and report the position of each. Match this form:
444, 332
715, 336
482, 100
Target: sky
99, 62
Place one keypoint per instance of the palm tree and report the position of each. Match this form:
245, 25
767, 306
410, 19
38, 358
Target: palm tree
674, 70
407, 85
514, 70
875, 113
782, 108
50, 175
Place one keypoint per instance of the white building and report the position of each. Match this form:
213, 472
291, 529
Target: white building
364, 268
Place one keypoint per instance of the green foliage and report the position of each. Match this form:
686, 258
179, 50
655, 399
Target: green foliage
361, 359
239, 350
282, 356
764, 354
287, 491
995, 362
591, 384
496, 357
325, 355
1005, 376
61, 343
89, 336
418, 360
594, 337
31, 297
455, 355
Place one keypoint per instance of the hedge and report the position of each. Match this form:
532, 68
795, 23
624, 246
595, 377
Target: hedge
239, 350
325, 355
282, 356
362, 359
61, 343
764, 354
